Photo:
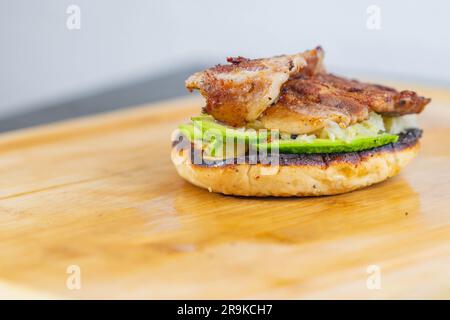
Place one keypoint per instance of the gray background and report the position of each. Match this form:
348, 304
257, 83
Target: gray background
134, 51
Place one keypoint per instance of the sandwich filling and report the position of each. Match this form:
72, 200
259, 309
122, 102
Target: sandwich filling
291, 104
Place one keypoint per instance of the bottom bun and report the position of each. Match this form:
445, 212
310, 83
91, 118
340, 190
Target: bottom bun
299, 175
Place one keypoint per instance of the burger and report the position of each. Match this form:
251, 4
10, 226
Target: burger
284, 126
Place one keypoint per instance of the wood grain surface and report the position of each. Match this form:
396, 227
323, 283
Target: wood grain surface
101, 193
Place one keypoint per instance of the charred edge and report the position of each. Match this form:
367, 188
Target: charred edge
407, 139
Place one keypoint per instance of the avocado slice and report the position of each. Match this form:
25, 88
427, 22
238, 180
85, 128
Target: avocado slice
255, 139
329, 146
188, 130
209, 124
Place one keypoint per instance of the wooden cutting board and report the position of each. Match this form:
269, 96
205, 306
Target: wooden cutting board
98, 198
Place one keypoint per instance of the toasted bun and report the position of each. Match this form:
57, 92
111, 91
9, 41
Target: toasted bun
307, 176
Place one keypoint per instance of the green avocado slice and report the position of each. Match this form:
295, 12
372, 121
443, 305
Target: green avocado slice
204, 124
329, 146
208, 124
188, 130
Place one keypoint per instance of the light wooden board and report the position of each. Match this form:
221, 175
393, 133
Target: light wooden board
101, 193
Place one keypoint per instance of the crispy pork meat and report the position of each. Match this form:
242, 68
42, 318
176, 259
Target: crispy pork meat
306, 102
294, 94
239, 92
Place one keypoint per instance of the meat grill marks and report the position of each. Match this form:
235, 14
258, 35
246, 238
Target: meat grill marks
239, 92
307, 102
294, 94
378, 98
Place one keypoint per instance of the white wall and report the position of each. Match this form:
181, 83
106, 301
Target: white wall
41, 60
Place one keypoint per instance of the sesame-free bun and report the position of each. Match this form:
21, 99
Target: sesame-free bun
299, 175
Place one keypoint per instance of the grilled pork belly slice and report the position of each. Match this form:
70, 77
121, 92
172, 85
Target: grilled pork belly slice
239, 92
294, 94
306, 103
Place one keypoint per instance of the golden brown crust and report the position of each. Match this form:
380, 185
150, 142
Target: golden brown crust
307, 102
239, 92
294, 94
295, 180
377, 98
